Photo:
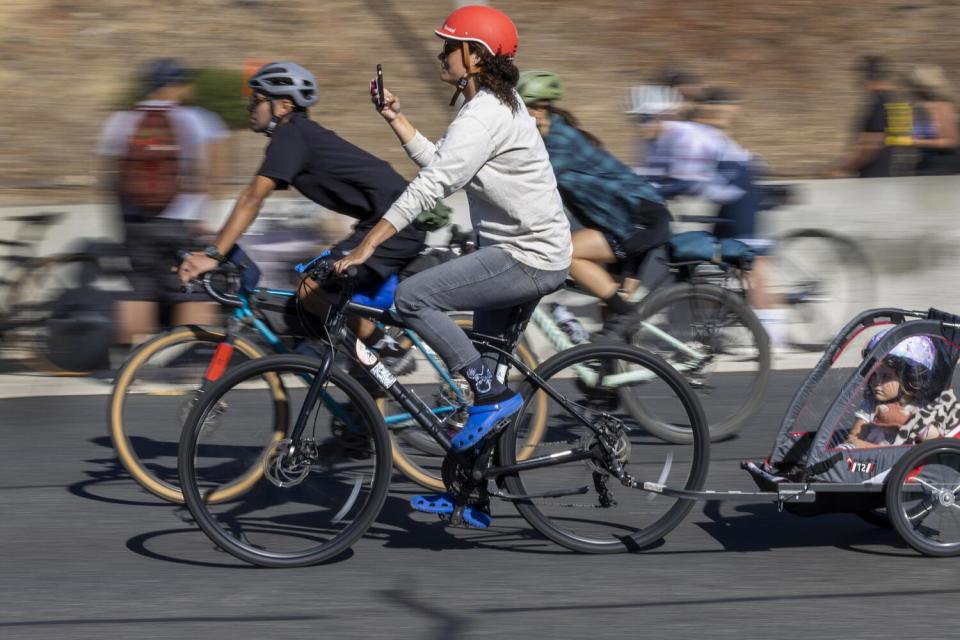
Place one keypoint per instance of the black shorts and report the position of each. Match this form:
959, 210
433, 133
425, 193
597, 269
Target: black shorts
153, 246
652, 231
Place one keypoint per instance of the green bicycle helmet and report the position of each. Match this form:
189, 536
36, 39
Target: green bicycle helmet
539, 85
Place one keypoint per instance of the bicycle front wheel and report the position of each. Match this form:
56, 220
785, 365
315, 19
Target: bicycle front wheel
313, 497
714, 339
582, 505
152, 396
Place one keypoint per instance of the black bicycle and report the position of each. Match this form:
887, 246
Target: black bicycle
307, 445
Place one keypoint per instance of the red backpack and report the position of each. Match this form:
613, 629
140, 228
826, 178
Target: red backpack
150, 175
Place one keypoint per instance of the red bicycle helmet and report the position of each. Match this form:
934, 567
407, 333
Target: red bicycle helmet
485, 25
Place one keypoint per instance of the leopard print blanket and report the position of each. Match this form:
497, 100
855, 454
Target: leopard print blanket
943, 415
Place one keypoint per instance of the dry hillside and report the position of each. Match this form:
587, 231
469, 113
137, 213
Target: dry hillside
66, 62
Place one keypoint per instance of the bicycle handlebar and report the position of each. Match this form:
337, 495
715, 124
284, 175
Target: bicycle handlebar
226, 299
319, 270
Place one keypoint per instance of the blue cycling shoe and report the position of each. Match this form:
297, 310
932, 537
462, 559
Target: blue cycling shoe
442, 504
482, 419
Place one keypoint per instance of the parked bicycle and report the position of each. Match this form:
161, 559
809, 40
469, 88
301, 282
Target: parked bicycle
299, 495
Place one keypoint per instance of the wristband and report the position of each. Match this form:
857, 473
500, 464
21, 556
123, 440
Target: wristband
212, 252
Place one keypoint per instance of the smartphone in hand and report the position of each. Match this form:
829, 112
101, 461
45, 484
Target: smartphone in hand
380, 100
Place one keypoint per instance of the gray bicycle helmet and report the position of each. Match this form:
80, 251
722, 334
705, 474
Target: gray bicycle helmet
286, 80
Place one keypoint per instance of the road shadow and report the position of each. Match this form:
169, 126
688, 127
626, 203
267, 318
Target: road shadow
107, 473
761, 527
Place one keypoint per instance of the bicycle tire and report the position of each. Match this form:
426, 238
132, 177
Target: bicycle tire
240, 546
429, 478
819, 305
923, 518
119, 427
716, 305
553, 527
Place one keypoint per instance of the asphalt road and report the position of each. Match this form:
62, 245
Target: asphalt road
85, 554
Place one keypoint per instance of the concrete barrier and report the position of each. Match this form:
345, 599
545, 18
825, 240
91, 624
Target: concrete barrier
907, 226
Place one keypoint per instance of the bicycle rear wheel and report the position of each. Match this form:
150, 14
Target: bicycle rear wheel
823, 280
712, 337
152, 396
923, 497
312, 498
596, 513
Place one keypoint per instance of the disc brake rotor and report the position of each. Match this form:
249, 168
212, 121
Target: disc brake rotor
286, 465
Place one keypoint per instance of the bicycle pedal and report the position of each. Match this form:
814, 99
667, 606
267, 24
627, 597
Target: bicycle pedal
467, 517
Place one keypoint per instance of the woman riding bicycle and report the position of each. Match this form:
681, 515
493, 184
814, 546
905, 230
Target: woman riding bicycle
491, 149
322, 166
623, 215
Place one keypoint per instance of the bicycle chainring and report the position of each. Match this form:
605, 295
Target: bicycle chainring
461, 486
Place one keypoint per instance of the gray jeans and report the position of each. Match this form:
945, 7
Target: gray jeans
489, 282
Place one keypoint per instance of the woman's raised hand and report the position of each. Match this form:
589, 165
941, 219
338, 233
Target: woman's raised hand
391, 104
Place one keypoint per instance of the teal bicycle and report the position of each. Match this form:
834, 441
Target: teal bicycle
160, 382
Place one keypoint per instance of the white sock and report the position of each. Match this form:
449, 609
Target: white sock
774, 322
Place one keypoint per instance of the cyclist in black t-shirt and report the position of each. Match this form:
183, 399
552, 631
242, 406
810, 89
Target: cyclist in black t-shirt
323, 167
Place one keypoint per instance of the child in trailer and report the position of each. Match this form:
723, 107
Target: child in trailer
901, 384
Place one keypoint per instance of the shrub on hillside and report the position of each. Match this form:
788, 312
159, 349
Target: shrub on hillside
215, 89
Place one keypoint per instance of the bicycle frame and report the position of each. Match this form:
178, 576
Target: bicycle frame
417, 409
244, 313
560, 342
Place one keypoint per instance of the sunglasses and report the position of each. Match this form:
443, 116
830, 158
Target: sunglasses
449, 47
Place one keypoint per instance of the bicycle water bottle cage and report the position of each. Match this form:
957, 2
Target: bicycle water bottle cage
305, 268
380, 296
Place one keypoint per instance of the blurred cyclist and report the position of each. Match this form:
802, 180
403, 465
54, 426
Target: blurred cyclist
623, 215
698, 157
689, 86
323, 167
161, 164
